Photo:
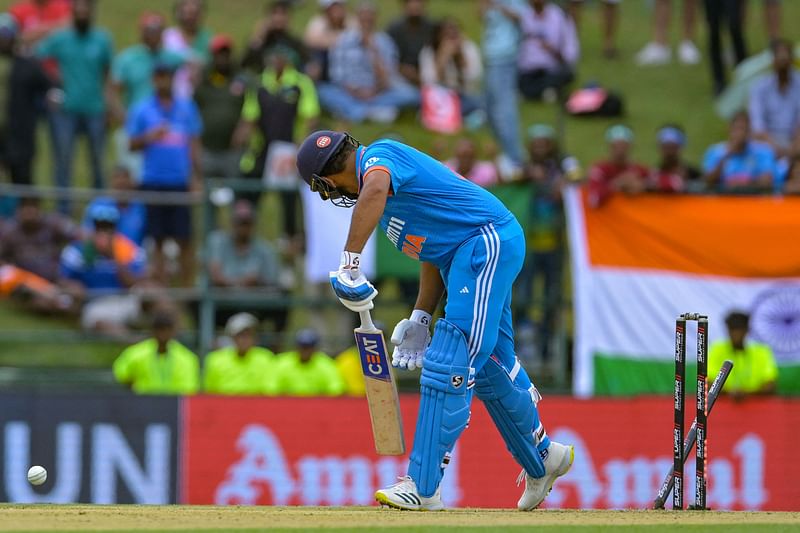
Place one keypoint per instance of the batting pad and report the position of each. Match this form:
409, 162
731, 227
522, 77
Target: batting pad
443, 408
514, 413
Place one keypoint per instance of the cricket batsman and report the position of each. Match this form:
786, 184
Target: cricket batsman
470, 246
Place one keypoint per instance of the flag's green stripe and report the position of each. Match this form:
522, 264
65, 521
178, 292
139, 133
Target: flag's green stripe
626, 376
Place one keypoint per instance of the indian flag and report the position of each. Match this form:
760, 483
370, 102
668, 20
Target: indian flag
638, 262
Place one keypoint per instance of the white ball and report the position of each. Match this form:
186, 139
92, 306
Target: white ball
37, 475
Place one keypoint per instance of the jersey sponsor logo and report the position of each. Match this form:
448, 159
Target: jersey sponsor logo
323, 141
371, 161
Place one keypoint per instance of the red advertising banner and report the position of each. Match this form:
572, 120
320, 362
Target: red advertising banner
289, 451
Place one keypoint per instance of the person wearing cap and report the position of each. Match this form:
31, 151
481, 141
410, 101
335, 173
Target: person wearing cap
83, 54
190, 39
755, 371
132, 213
412, 31
469, 245
24, 85
321, 33
673, 173
160, 364
243, 368
307, 371
618, 173
740, 163
100, 269
274, 29
132, 82
365, 83
167, 129
238, 259
219, 97
548, 172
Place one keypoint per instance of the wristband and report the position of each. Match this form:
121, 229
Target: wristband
423, 317
350, 261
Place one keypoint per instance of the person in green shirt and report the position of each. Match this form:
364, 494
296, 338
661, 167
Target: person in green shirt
243, 368
754, 368
159, 365
307, 371
83, 54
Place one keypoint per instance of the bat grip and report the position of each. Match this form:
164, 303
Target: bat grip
366, 320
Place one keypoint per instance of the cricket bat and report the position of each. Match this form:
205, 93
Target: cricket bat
382, 399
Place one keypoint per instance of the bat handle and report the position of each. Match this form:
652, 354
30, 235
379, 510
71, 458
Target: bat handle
366, 320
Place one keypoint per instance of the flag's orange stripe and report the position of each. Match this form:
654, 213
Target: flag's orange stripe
752, 237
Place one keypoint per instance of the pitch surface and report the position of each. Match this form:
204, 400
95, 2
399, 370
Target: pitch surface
119, 518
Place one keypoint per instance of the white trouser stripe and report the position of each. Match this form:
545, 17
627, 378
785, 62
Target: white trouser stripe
478, 307
476, 303
480, 297
495, 239
492, 240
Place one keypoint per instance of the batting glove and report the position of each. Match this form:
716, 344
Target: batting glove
351, 286
411, 336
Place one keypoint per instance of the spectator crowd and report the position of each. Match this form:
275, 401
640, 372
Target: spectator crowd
186, 103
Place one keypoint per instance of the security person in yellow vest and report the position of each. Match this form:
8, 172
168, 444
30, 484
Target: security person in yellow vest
160, 364
307, 371
754, 368
241, 369
349, 365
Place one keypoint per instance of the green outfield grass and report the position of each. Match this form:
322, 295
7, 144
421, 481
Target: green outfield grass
123, 518
672, 93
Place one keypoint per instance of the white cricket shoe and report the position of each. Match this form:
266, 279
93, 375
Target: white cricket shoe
654, 54
404, 495
688, 54
558, 462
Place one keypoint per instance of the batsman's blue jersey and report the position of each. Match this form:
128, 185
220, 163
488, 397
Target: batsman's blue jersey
431, 210
435, 215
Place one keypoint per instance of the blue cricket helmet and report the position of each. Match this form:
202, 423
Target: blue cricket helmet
314, 154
